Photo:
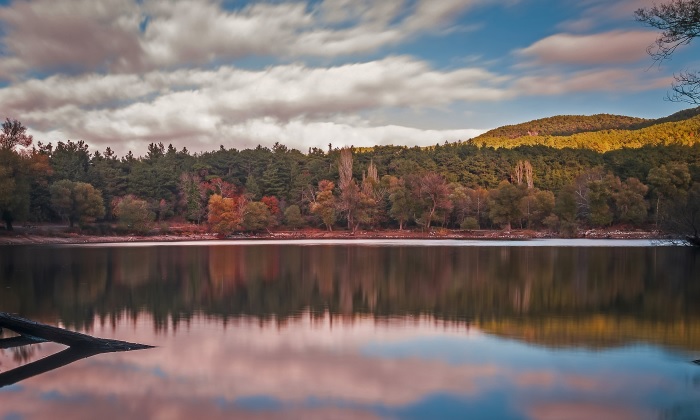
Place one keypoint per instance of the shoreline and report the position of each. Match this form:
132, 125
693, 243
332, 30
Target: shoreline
25, 238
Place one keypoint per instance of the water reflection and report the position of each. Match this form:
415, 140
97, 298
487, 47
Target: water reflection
286, 331
555, 296
320, 367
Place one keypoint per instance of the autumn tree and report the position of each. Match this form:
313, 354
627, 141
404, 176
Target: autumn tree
324, 203
273, 206
77, 201
348, 201
225, 214
132, 213
432, 190
223, 188
679, 23
372, 196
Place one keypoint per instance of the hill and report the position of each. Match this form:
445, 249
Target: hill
565, 125
602, 132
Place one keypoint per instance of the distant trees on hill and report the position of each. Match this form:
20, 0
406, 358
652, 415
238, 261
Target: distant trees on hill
565, 125
569, 131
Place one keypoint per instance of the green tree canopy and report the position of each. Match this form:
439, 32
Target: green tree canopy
77, 201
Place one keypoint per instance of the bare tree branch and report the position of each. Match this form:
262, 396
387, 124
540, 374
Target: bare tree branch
679, 23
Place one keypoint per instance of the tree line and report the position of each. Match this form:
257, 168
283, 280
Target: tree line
457, 185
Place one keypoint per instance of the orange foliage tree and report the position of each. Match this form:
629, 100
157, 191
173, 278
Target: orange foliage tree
226, 214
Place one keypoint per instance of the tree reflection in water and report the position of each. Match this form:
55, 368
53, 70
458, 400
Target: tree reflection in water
552, 295
339, 331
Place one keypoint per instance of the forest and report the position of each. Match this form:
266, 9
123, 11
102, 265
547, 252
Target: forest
606, 171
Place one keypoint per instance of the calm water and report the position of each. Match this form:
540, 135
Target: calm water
512, 330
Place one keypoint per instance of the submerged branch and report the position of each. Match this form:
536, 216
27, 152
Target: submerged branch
33, 330
80, 346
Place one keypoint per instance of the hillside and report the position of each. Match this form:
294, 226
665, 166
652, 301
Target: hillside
686, 114
601, 132
565, 125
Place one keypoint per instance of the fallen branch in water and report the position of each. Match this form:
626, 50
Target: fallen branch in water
32, 330
80, 346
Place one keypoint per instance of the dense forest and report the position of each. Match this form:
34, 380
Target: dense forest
599, 177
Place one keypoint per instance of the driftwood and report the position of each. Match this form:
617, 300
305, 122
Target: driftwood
80, 346
31, 329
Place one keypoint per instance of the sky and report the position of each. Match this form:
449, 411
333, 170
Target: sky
202, 74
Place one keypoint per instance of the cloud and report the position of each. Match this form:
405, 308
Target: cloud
614, 47
124, 73
598, 13
294, 103
595, 80
70, 35
197, 32
132, 36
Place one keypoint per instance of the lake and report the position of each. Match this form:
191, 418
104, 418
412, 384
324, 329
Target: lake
550, 329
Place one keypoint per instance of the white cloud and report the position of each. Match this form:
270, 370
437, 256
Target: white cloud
300, 134
295, 104
600, 48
